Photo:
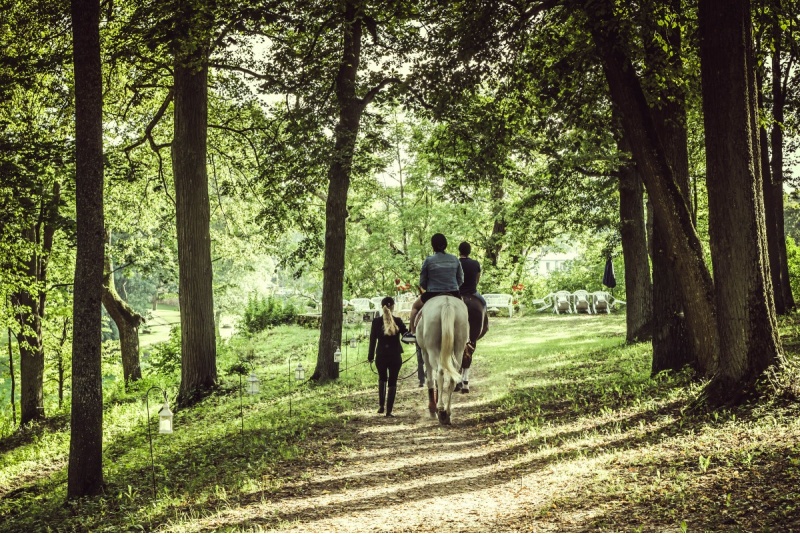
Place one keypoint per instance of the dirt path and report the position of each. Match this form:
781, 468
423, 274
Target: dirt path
409, 474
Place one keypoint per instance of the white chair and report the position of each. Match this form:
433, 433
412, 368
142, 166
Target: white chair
376, 303
582, 302
403, 303
602, 302
562, 302
362, 307
543, 303
499, 300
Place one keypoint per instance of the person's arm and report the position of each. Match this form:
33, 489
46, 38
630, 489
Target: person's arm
460, 275
423, 275
401, 325
373, 341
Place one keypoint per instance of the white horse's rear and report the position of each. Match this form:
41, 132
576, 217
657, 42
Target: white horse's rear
442, 333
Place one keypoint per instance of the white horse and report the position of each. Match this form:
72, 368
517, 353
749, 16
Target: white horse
442, 334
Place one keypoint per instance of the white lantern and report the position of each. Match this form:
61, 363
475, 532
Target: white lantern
165, 419
353, 342
337, 356
253, 384
300, 373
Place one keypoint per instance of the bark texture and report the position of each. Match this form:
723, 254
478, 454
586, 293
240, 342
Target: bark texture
85, 471
770, 210
633, 231
346, 132
127, 321
776, 144
192, 211
747, 323
671, 343
682, 245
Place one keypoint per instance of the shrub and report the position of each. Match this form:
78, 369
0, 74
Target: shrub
793, 262
165, 357
264, 312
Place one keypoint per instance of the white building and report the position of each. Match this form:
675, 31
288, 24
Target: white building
549, 259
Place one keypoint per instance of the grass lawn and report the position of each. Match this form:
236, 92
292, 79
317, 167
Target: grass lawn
568, 432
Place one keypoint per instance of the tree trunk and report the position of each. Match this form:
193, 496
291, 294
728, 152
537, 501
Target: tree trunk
495, 244
776, 141
748, 332
682, 243
30, 306
770, 210
61, 368
638, 288
127, 322
31, 351
31, 354
671, 343
193, 214
346, 131
13, 379
85, 472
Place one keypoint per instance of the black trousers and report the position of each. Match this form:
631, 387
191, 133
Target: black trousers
389, 369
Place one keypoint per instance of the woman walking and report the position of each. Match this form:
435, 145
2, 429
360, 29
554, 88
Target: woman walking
384, 339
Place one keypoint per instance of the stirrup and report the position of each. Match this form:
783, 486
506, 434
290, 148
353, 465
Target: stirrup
409, 338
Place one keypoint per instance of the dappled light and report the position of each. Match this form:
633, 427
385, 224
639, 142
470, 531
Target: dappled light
551, 437
413, 266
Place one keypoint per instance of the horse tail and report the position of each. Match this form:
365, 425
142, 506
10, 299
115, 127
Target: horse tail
448, 320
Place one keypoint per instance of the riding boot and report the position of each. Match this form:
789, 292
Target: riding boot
432, 401
381, 395
390, 400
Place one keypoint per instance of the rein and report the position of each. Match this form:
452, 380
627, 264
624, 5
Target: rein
404, 362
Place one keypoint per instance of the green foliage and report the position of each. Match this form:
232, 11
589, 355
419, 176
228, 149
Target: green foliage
264, 312
165, 357
793, 261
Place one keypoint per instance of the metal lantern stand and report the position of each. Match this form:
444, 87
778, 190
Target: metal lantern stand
353, 345
299, 375
164, 426
253, 388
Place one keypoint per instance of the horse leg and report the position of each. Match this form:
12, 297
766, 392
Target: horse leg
444, 412
432, 401
446, 386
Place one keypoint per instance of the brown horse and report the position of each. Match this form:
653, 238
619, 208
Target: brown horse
478, 326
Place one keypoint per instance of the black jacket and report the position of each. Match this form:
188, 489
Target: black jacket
387, 346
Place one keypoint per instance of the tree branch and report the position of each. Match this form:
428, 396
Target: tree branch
148, 130
372, 93
243, 70
526, 16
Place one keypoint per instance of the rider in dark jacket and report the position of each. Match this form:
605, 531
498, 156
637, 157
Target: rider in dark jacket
384, 340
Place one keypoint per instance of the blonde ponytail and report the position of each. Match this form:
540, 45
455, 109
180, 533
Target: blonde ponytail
390, 328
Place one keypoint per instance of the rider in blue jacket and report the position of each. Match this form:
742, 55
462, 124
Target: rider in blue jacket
441, 274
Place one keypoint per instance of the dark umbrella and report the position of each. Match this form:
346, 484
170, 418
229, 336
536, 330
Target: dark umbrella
609, 280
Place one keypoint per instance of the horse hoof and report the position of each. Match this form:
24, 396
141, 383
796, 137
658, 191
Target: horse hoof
433, 413
444, 417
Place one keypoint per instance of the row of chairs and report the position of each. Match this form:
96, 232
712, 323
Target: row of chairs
580, 301
364, 307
